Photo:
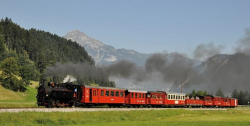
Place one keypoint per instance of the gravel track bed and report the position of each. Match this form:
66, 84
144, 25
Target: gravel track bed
93, 109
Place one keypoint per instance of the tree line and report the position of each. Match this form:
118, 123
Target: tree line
27, 54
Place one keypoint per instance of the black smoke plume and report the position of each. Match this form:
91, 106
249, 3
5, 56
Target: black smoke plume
160, 67
244, 43
204, 51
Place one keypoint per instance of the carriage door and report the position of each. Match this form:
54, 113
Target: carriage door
90, 95
79, 93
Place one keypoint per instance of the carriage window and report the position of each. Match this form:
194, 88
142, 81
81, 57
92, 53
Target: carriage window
207, 99
112, 93
173, 96
117, 93
169, 96
140, 95
121, 94
135, 95
148, 95
160, 96
107, 93
94, 92
132, 96
102, 93
183, 97
153, 96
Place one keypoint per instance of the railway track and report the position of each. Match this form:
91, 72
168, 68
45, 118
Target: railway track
14, 110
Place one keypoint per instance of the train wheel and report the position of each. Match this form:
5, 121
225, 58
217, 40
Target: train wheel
50, 104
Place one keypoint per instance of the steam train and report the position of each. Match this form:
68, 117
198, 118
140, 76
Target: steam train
68, 95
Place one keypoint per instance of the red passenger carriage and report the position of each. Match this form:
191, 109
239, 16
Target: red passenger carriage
225, 102
233, 102
194, 102
135, 97
90, 95
216, 101
206, 101
155, 98
175, 99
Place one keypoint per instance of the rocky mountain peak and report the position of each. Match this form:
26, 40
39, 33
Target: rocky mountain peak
83, 39
76, 33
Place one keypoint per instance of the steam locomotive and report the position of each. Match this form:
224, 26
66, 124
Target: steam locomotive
68, 95
56, 95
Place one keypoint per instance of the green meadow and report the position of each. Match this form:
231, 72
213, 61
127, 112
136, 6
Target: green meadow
11, 99
230, 117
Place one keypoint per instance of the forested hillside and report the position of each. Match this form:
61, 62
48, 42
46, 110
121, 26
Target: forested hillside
27, 53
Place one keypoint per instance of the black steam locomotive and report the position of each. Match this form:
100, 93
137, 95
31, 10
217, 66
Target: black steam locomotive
54, 94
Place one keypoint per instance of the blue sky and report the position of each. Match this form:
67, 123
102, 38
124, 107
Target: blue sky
146, 26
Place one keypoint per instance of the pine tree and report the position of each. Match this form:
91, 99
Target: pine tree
220, 93
200, 93
235, 94
205, 92
241, 98
2, 48
193, 93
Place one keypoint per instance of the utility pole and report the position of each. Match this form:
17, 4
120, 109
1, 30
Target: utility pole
181, 89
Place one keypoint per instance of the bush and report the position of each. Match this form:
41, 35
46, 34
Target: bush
14, 84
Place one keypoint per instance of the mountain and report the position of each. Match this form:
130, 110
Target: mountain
224, 71
104, 54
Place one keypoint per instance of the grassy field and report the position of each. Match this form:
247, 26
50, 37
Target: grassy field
152, 117
10, 99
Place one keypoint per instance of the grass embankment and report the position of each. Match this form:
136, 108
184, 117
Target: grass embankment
11, 99
151, 117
